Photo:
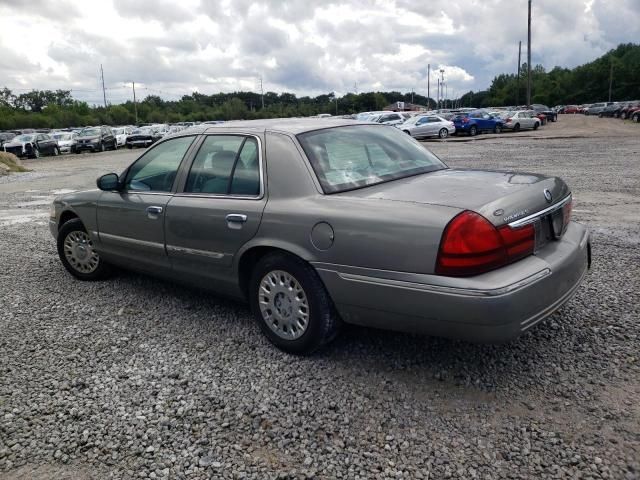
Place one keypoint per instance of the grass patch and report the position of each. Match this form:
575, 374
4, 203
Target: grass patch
10, 163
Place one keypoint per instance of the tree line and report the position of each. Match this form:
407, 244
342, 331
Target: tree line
583, 84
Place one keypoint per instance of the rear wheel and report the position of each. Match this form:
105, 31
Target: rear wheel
443, 133
473, 131
536, 125
291, 305
102, 146
636, 117
497, 129
75, 249
36, 152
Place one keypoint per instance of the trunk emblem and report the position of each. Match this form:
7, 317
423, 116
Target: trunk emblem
499, 212
547, 195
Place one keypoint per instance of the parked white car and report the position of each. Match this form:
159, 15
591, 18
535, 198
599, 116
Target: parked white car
121, 134
520, 120
66, 141
423, 126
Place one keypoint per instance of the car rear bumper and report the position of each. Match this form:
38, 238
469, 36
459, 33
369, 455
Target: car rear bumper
493, 307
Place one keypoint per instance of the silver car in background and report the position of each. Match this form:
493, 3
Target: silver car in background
66, 141
520, 120
424, 126
318, 222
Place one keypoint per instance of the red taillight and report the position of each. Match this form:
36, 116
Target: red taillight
464, 119
471, 245
508, 120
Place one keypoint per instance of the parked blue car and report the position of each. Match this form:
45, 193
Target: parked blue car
478, 121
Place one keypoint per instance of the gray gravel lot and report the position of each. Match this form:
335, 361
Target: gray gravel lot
139, 378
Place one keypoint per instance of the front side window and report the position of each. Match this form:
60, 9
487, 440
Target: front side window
345, 158
156, 170
226, 165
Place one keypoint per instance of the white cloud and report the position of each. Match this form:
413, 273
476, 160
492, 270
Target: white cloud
301, 46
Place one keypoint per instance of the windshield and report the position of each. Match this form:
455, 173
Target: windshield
24, 138
90, 132
118, 131
62, 136
345, 158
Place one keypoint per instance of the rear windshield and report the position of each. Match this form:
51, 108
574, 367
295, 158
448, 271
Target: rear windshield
346, 158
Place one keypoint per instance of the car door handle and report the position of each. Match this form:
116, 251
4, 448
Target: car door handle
153, 210
236, 218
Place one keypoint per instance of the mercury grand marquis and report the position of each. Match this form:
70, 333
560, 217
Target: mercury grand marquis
316, 222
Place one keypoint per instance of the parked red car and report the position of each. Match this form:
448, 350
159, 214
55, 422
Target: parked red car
571, 109
627, 111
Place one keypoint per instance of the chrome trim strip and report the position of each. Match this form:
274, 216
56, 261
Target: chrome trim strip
131, 241
533, 217
466, 292
193, 251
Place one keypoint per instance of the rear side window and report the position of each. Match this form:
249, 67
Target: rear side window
226, 165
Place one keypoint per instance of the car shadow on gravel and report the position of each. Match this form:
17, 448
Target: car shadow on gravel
357, 350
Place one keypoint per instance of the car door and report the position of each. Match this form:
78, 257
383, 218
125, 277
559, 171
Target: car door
45, 143
219, 208
422, 127
131, 221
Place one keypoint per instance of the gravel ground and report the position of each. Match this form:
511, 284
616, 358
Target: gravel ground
139, 378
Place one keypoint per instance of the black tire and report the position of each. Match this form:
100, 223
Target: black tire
536, 125
443, 133
36, 153
129, 146
56, 151
497, 129
407, 132
73, 226
636, 118
600, 115
102, 149
473, 130
516, 127
323, 323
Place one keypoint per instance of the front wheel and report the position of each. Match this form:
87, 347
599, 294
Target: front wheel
497, 129
75, 249
516, 127
102, 146
443, 133
473, 131
291, 305
536, 125
636, 118
36, 152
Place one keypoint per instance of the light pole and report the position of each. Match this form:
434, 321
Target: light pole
529, 57
442, 81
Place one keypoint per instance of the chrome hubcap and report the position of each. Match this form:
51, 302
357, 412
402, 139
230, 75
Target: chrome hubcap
283, 304
79, 252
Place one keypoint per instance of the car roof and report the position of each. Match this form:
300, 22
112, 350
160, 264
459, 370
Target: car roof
292, 126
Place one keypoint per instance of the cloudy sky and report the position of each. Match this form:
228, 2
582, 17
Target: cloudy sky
173, 47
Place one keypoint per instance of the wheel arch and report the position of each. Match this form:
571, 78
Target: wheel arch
65, 216
252, 254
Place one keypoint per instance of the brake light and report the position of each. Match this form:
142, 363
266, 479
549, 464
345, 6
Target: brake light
464, 119
508, 120
472, 245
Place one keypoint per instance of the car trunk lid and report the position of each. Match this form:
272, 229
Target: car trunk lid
501, 197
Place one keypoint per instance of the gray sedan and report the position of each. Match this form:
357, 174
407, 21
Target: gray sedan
320, 222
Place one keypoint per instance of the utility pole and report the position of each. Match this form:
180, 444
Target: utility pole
104, 93
355, 87
135, 105
529, 57
442, 83
518, 79
335, 95
429, 86
446, 94
438, 96
610, 78
412, 96
261, 92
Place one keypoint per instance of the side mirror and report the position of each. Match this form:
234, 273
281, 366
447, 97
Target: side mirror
109, 182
